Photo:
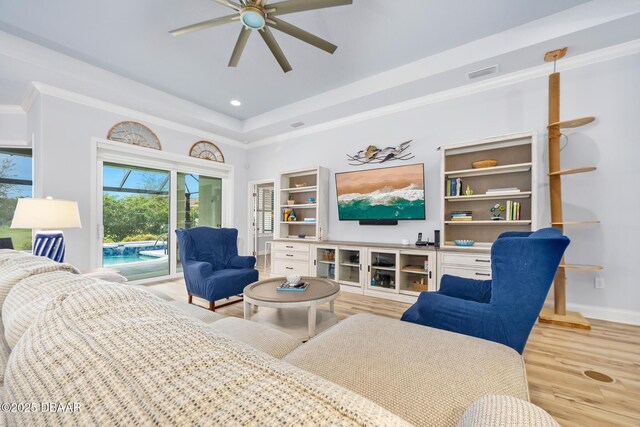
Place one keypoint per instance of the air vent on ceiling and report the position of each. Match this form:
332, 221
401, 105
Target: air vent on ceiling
297, 124
483, 72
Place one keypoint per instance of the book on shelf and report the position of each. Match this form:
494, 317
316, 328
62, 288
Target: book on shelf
513, 210
503, 190
453, 187
298, 287
461, 216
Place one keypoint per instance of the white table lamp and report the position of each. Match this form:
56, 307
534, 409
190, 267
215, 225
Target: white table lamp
48, 216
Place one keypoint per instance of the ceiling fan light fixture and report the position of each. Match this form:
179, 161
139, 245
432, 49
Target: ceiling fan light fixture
253, 18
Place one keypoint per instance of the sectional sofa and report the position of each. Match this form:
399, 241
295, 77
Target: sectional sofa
80, 351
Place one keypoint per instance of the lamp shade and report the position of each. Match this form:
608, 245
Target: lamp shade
46, 214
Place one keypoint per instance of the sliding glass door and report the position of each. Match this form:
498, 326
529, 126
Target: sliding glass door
199, 203
143, 196
135, 208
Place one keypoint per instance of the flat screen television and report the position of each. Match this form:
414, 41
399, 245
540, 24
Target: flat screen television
394, 193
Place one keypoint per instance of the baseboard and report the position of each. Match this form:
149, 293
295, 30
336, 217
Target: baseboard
610, 314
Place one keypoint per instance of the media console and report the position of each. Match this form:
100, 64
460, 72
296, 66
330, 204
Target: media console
394, 272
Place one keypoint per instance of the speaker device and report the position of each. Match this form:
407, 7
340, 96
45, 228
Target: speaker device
436, 238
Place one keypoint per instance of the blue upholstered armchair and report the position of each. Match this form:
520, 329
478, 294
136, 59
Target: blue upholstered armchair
504, 308
212, 268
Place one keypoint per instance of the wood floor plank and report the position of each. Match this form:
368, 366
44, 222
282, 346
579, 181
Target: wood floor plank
555, 359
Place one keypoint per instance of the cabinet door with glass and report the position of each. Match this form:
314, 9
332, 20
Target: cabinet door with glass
324, 262
349, 268
417, 272
382, 270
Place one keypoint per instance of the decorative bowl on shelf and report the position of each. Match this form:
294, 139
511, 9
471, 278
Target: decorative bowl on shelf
301, 236
291, 202
419, 287
464, 242
304, 184
487, 163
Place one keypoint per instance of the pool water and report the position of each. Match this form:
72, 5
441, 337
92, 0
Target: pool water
124, 259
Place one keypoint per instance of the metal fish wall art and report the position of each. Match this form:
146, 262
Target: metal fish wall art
374, 155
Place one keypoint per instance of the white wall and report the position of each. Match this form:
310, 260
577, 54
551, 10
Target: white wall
63, 141
13, 126
609, 91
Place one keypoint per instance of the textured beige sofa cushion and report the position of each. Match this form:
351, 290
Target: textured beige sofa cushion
425, 375
129, 359
207, 316
153, 291
273, 342
15, 266
507, 411
29, 296
5, 352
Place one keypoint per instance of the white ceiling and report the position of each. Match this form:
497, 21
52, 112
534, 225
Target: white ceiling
130, 38
389, 52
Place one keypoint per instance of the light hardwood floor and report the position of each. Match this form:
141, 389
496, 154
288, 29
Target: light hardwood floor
555, 358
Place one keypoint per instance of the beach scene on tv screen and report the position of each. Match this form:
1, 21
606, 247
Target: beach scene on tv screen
386, 193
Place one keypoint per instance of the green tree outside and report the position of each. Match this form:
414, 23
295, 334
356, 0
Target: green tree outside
134, 215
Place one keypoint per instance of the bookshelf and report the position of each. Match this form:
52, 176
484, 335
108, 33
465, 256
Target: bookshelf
300, 187
516, 168
559, 315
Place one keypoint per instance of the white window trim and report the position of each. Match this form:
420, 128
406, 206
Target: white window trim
103, 150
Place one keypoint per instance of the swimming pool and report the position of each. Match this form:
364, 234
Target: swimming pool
125, 259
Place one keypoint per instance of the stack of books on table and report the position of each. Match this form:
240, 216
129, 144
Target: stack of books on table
513, 210
497, 191
461, 216
293, 287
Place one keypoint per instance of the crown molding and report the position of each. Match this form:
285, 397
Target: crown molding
11, 109
67, 95
29, 99
602, 55
75, 70
13, 143
569, 21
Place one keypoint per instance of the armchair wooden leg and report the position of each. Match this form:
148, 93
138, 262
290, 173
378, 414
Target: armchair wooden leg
212, 304
190, 298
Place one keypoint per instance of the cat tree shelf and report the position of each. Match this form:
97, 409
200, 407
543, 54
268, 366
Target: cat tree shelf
582, 267
575, 222
573, 171
572, 123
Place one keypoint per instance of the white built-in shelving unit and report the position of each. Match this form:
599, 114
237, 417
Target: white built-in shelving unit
516, 167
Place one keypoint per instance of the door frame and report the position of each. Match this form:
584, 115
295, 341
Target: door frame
116, 152
251, 185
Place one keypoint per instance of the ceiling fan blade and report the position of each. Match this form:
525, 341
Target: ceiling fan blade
204, 25
268, 38
230, 4
301, 34
291, 6
240, 44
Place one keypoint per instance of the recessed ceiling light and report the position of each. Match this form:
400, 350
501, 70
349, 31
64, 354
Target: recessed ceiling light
297, 124
235, 103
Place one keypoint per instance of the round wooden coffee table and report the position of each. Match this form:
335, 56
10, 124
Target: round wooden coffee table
302, 318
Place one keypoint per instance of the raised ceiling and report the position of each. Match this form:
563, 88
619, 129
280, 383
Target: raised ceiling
391, 55
131, 38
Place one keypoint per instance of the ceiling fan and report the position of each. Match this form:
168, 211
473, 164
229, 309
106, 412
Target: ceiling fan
258, 15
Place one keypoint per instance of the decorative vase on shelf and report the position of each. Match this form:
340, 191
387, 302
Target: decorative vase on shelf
496, 212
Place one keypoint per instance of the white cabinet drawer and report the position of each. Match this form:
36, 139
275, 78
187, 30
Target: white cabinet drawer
290, 247
471, 260
299, 256
284, 267
468, 273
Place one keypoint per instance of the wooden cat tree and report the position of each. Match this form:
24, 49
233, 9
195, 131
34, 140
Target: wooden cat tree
559, 315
